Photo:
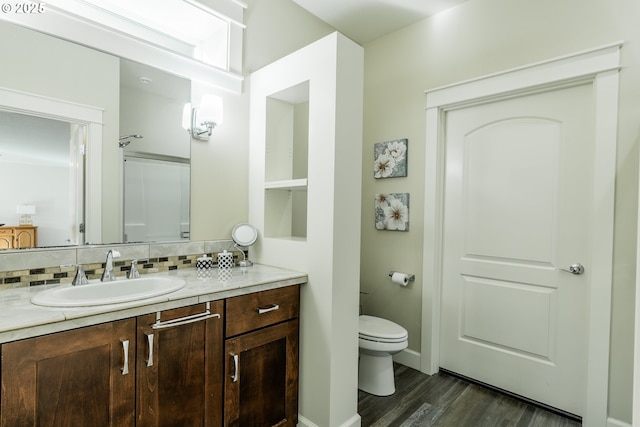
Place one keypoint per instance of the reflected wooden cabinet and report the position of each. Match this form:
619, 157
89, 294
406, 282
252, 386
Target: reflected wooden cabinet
18, 237
261, 380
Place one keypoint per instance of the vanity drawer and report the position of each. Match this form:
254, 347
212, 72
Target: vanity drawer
253, 311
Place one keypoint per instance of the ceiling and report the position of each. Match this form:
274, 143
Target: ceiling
148, 79
366, 20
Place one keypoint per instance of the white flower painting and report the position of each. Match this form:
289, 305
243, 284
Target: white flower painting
390, 159
392, 211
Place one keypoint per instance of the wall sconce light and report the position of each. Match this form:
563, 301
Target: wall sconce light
26, 211
199, 122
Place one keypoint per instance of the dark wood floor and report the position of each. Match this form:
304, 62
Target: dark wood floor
444, 400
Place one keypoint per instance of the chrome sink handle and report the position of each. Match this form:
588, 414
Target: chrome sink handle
80, 277
134, 273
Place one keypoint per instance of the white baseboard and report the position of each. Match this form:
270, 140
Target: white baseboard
303, 422
611, 422
354, 421
408, 358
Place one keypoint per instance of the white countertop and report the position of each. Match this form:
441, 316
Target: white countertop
20, 319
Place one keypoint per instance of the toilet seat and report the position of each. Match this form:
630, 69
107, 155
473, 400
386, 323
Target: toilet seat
381, 330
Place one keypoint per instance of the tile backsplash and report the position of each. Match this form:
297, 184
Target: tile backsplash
33, 267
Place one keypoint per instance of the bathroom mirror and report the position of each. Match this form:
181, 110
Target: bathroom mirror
147, 106
244, 235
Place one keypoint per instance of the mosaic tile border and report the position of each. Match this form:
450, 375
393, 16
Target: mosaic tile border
65, 274
182, 255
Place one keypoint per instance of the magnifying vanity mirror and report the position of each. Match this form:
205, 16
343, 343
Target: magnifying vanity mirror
244, 235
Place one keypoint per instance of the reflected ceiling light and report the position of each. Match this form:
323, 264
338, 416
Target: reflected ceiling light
199, 122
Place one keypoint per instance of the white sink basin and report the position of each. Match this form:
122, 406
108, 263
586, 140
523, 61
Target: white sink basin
108, 292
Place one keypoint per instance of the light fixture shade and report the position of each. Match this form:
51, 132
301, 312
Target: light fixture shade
210, 109
26, 210
186, 116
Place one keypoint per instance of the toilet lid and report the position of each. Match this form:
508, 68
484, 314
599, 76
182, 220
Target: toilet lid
376, 327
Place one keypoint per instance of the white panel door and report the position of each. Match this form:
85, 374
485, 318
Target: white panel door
518, 195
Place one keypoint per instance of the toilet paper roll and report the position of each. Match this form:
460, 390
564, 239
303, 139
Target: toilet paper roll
400, 278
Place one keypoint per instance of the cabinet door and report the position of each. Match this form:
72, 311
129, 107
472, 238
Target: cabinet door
179, 367
73, 378
6, 238
25, 237
261, 381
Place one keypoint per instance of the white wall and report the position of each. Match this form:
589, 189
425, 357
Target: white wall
477, 38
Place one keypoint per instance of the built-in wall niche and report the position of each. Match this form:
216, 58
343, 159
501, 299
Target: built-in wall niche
286, 162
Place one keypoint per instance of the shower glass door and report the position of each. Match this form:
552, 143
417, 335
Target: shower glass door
156, 200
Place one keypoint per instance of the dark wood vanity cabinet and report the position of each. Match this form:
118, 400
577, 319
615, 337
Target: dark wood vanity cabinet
261, 352
179, 367
170, 376
171, 368
83, 377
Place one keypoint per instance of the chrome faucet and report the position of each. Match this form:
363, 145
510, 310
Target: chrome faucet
107, 274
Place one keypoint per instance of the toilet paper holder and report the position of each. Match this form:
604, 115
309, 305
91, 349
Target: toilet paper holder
410, 277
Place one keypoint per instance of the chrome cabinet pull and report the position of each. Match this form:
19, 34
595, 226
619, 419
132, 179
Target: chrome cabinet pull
272, 307
125, 365
234, 377
150, 356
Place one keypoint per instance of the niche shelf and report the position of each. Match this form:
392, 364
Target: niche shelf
289, 184
286, 162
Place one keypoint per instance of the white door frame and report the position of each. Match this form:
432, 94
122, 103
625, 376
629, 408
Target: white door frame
600, 67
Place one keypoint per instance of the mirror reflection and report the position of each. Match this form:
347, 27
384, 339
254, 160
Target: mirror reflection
156, 154
41, 169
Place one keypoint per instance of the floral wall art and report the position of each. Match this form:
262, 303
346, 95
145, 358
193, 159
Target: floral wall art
392, 211
390, 159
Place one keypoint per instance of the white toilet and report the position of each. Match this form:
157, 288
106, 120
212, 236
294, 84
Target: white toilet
378, 340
